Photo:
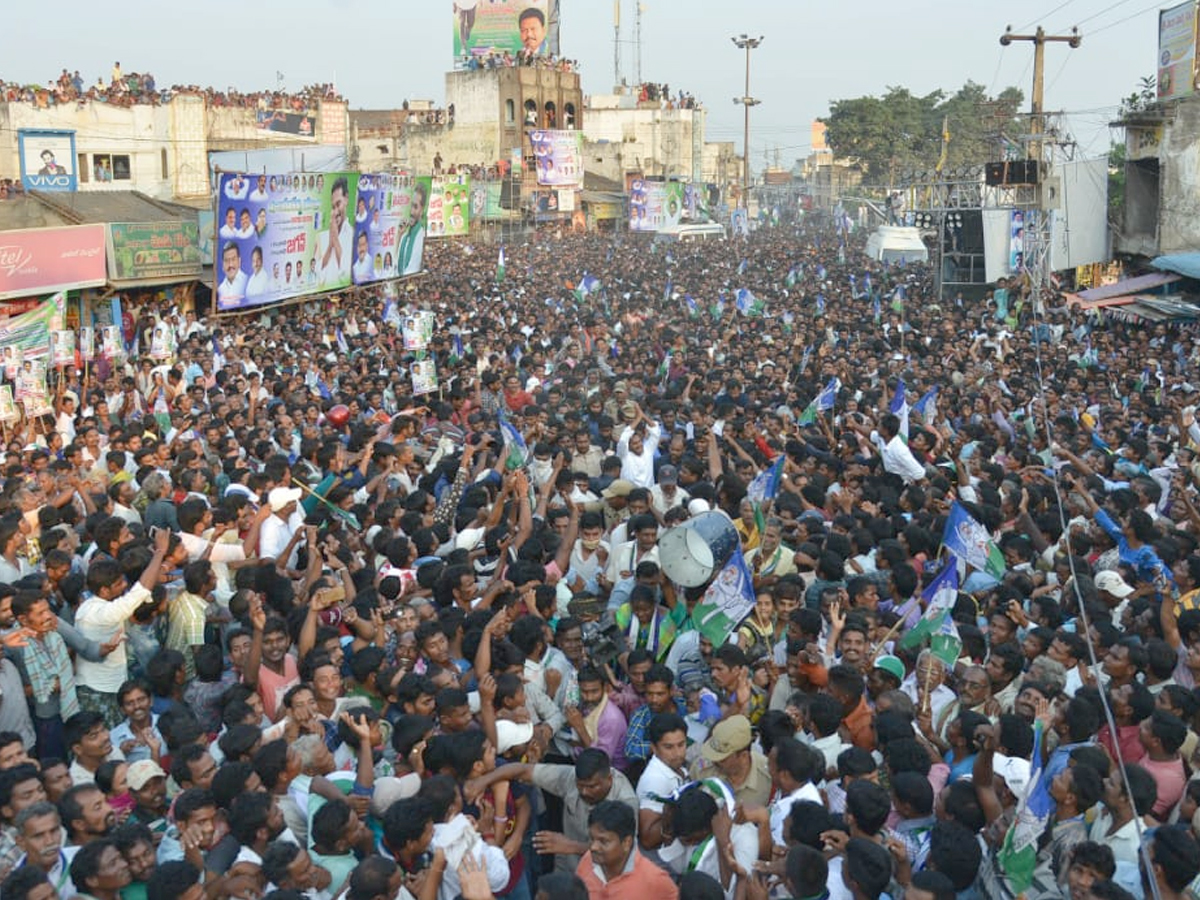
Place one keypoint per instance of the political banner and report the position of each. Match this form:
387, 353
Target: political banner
728, 599
283, 236
13, 357
1177, 51
559, 157
47, 160
424, 377
1016, 241
483, 27
145, 250
111, 344
87, 342
654, 205
40, 261
389, 227
27, 336
62, 347
418, 330
449, 212
8, 406
285, 122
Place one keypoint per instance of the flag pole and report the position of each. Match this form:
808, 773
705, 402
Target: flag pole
891, 633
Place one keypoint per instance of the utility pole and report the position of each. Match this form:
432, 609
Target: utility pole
747, 43
1040, 39
616, 44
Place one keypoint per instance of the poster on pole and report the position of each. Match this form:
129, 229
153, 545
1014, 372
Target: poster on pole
30, 332
87, 342
1016, 241
424, 377
112, 347
8, 405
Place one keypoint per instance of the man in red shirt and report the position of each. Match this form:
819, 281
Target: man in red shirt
515, 398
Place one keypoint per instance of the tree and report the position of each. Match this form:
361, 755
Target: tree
898, 131
1116, 181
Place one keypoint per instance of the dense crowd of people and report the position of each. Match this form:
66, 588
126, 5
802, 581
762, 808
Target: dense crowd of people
123, 88
273, 626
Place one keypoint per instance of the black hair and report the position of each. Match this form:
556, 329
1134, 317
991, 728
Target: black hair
615, 817
170, 880
869, 866
869, 804
955, 852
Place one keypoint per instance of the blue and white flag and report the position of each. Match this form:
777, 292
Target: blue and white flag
1018, 854
667, 290
341, 342
218, 355
899, 407
692, 308
926, 407
456, 346
516, 450
820, 304
741, 269
765, 485
588, 284
937, 624
726, 602
823, 402
971, 542
747, 304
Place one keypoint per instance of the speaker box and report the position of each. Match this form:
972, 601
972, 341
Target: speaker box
1012, 172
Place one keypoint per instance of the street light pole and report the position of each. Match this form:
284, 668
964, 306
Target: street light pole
747, 43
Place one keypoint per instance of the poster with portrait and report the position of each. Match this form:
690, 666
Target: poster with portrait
283, 236
13, 355
1016, 241
111, 344
8, 405
485, 27
424, 377
558, 156
62, 348
417, 329
47, 159
389, 227
449, 205
87, 342
162, 344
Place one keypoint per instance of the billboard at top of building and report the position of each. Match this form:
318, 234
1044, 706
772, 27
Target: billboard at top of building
504, 26
1177, 50
47, 160
283, 236
389, 227
559, 157
449, 213
655, 205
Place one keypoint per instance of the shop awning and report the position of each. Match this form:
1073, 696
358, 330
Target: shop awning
1186, 264
1136, 285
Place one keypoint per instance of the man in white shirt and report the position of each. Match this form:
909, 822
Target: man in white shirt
636, 448
794, 767
278, 529
338, 252
101, 617
703, 830
897, 458
258, 282
667, 493
233, 288
662, 776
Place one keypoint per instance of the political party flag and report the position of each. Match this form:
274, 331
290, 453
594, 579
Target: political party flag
588, 284
877, 308
456, 347
218, 355
692, 308
741, 270
823, 402
926, 407
718, 308
970, 541
342, 345
500, 265
821, 272
936, 624
790, 281
1018, 854
516, 451
765, 485
820, 304
747, 304
898, 298
726, 602
664, 367
899, 407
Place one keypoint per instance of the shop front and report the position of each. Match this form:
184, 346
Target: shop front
38, 262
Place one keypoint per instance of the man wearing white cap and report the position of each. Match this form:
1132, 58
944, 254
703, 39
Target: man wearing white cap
281, 530
1114, 593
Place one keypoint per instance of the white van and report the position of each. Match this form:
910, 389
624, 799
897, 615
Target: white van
704, 232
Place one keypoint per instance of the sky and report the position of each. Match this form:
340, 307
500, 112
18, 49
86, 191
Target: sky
381, 53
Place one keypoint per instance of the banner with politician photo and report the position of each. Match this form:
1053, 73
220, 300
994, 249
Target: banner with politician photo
389, 227
654, 205
497, 27
449, 205
283, 236
559, 157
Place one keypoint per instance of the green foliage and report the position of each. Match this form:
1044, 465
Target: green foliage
1116, 181
900, 130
